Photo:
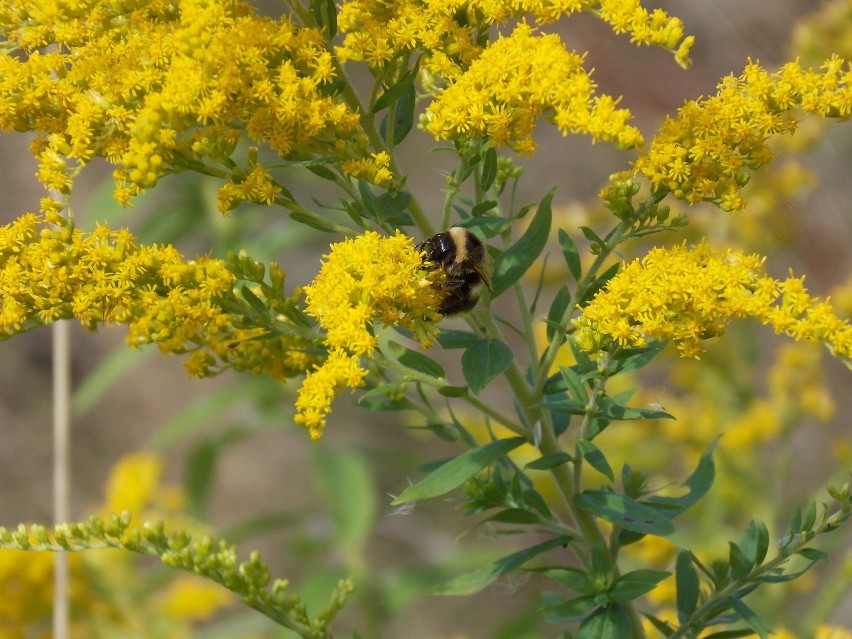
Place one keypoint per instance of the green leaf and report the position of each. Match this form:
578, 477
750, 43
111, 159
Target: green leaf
699, 483
574, 579
593, 237
200, 475
665, 629
624, 512
812, 554
596, 458
755, 542
394, 93
571, 254
402, 113
551, 460
513, 516
325, 15
810, 518
615, 411
475, 581
560, 304
574, 384
747, 614
459, 469
631, 359
686, 581
349, 490
611, 622
730, 634
484, 361
489, 169
738, 561
388, 206
253, 300
512, 263
569, 610
482, 208
314, 221
412, 359
367, 197
635, 584
487, 226
456, 339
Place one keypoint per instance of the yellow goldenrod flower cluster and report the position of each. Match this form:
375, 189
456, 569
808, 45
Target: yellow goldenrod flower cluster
706, 153
450, 31
104, 277
686, 295
364, 280
159, 87
515, 81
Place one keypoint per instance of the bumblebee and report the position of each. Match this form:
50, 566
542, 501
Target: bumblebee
466, 264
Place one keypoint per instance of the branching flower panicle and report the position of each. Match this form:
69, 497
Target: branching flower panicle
105, 277
364, 280
707, 152
159, 88
687, 295
450, 32
515, 81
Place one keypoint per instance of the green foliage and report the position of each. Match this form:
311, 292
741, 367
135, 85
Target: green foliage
557, 451
206, 557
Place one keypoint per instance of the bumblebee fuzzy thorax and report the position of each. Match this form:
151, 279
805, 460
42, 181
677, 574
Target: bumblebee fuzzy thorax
466, 267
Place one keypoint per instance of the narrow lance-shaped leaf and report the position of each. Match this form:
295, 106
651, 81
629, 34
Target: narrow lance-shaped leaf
686, 580
456, 471
512, 263
475, 581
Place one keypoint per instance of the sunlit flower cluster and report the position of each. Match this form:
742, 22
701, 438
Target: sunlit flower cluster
518, 79
450, 32
687, 295
365, 280
708, 150
104, 277
161, 87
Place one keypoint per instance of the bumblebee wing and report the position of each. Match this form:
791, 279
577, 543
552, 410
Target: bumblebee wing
484, 271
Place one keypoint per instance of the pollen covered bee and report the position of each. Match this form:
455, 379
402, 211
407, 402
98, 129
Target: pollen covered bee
466, 265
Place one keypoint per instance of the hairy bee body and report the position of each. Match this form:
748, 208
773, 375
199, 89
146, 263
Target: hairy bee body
466, 264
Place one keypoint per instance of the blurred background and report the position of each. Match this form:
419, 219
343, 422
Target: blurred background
254, 475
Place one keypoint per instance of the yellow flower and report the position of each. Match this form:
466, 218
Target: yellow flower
156, 87
133, 482
364, 280
517, 79
827, 631
192, 598
686, 295
105, 277
708, 150
449, 31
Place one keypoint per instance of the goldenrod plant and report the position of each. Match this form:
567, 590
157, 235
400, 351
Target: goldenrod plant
608, 500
